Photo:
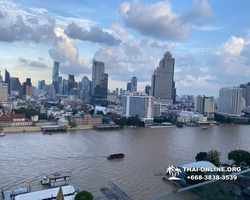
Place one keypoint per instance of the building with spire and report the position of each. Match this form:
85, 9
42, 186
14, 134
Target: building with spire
162, 82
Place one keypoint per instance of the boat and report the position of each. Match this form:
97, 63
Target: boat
179, 125
2, 134
116, 156
171, 182
45, 133
56, 177
204, 128
132, 127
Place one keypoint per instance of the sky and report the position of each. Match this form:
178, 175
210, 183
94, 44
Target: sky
209, 39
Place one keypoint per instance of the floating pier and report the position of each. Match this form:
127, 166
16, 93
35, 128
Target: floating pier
114, 192
106, 127
8, 194
47, 129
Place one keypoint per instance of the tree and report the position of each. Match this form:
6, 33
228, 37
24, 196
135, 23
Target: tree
91, 111
84, 195
201, 156
42, 116
213, 156
240, 157
99, 113
73, 124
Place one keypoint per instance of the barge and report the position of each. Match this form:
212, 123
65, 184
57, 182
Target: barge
51, 129
116, 156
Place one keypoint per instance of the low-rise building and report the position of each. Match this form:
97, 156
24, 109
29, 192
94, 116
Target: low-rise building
182, 117
18, 117
63, 122
34, 118
87, 119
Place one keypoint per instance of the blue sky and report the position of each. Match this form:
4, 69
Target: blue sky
208, 38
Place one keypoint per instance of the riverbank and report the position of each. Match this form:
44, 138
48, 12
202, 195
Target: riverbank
20, 129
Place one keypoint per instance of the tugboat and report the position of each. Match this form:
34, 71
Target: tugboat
204, 128
46, 133
116, 156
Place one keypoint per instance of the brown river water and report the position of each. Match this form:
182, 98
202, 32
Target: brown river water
26, 157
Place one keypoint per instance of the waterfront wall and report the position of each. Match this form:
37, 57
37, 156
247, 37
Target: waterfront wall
81, 127
21, 129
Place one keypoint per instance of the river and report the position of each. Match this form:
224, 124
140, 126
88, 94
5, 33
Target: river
26, 157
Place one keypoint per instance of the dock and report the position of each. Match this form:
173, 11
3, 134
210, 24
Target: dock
54, 129
106, 127
114, 192
8, 194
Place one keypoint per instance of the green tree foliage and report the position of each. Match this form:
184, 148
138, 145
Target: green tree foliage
99, 113
201, 156
240, 157
73, 124
213, 156
28, 112
130, 121
42, 116
163, 119
84, 195
91, 111
74, 112
221, 118
84, 108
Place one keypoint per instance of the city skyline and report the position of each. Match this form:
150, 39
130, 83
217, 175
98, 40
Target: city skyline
204, 63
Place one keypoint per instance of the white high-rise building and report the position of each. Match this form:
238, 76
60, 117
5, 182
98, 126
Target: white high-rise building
162, 82
133, 84
230, 100
138, 103
3, 92
97, 73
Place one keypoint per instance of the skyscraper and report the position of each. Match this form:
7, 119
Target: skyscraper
230, 101
133, 84
41, 84
7, 80
27, 89
65, 87
147, 89
97, 72
71, 82
3, 92
15, 85
1, 78
55, 76
128, 86
162, 82
86, 84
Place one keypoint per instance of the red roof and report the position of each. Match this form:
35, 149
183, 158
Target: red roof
18, 116
5, 119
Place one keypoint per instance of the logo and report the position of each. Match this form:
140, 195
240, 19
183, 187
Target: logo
173, 172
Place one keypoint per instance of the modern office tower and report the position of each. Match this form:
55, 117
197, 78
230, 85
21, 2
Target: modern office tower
230, 101
121, 92
65, 87
86, 87
117, 91
60, 80
75, 92
80, 85
41, 84
162, 81
147, 89
1, 78
52, 91
76, 85
128, 86
55, 76
205, 105
3, 92
15, 85
133, 84
7, 80
97, 73
27, 89
138, 103
71, 82
101, 91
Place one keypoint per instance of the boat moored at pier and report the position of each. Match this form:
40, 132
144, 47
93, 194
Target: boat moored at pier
2, 134
52, 179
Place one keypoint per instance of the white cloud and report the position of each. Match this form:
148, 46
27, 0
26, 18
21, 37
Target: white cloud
160, 21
